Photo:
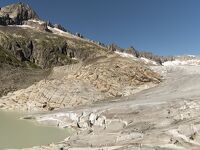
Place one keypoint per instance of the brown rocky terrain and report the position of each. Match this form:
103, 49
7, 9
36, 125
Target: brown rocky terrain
29, 47
12, 79
83, 84
45, 49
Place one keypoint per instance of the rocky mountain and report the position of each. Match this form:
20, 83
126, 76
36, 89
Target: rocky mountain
45, 49
31, 47
16, 14
29, 39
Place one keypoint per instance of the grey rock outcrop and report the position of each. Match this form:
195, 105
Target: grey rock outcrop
39, 25
16, 14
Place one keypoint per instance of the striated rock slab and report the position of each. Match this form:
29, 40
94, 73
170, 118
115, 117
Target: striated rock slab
83, 84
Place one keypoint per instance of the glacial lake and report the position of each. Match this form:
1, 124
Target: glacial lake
16, 133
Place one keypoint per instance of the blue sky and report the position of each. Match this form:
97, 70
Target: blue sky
165, 27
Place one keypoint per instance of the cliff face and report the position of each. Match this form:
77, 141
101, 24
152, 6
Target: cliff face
46, 49
16, 14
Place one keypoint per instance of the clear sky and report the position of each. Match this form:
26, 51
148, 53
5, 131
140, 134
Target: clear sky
164, 27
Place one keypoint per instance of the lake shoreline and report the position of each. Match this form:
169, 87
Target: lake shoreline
17, 130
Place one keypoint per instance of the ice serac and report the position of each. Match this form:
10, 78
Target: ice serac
16, 14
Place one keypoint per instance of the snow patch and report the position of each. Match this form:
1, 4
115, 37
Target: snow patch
65, 34
193, 56
58, 32
148, 61
145, 60
22, 26
125, 55
37, 21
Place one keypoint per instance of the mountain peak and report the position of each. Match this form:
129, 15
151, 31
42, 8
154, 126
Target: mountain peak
16, 13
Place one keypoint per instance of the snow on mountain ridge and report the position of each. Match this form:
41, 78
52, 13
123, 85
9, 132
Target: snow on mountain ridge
143, 59
122, 54
148, 61
192, 62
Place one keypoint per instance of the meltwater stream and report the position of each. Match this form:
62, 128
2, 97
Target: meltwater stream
15, 133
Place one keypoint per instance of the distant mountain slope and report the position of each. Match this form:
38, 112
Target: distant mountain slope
30, 39
30, 47
46, 49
